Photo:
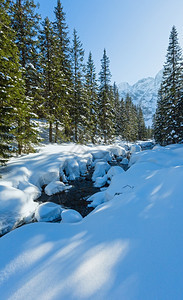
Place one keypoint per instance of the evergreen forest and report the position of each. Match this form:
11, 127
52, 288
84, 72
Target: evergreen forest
44, 75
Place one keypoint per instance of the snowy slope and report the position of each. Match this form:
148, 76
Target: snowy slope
143, 93
130, 247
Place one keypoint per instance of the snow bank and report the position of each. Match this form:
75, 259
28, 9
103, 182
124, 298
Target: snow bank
128, 248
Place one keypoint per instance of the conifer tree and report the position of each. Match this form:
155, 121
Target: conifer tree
131, 120
25, 23
79, 105
106, 104
122, 119
142, 132
168, 117
117, 110
47, 44
63, 82
12, 105
92, 99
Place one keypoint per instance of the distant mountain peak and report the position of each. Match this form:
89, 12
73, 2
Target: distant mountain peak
144, 93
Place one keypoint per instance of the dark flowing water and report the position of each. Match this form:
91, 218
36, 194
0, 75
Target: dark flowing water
75, 198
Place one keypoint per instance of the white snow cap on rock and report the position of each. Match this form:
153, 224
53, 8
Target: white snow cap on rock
70, 216
125, 161
101, 154
55, 187
114, 170
101, 169
135, 148
117, 151
96, 199
47, 212
101, 181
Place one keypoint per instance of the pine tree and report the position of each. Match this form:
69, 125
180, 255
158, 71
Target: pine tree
92, 99
117, 110
131, 120
106, 100
142, 132
25, 23
63, 84
122, 119
79, 105
47, 44
169, 114
11, 87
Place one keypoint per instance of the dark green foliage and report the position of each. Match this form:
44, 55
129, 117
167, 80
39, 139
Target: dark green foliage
25, 22
47, 44
91, 90
11, 84
169, 114
142, 131
79, 109
106, 101
63, 80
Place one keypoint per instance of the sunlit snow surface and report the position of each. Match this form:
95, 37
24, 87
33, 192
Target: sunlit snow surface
129, 247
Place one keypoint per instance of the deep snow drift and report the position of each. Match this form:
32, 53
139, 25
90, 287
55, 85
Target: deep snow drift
129, 247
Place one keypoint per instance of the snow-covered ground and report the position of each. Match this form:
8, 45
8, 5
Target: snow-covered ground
129, 247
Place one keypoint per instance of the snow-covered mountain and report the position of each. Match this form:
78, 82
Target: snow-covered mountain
144, 93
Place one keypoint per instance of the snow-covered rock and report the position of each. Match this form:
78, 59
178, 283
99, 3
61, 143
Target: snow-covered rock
117, 151
101, 169
48, 212
114, 170
70, 168
125, 161
43, 178
100, 181
135, 148
101, 154
70, 216
96, 199
55, 187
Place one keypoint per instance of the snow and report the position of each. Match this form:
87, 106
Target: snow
101, 169
101, 181
117, 151
114, 171
48, 212
124, 161
129, 247
70, 216
56, 187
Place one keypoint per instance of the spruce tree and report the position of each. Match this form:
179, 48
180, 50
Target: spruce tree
92, 99
25, 22
131, 120
47, 44
169, 113
11, 88
117, 110
63, 81
142, 132
106, 100
79, 105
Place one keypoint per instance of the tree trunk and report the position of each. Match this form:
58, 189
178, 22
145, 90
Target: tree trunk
56, 131
50, 132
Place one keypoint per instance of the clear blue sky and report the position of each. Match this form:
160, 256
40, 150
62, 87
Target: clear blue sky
135, 33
